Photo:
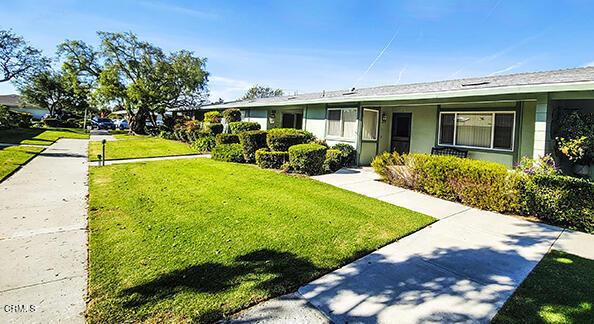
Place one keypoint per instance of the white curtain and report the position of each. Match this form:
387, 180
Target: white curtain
349, 123
474, 130
334, 123
370, 124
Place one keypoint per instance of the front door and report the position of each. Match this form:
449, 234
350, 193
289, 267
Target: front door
401, 123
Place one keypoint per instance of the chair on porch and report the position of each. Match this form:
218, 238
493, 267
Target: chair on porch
449, 151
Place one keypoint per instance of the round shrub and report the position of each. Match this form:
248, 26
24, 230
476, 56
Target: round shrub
307, 158
212, 117
204, 143
240, 127
227, 153
214, 128
333, 160
280, 139
347, 152
271, 160
251, 141
227, 139
232, 115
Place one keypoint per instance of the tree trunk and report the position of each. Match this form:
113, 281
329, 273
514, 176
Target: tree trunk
138, 121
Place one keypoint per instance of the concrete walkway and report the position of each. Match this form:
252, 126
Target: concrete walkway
43, 237
460, 269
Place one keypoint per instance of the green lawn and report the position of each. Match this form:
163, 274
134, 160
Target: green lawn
559, 290
194, 240
12, 157
129, 147
39, 136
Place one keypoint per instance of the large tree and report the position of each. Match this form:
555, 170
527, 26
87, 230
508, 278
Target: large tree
17, 58
258, 91
49, 90
137, 76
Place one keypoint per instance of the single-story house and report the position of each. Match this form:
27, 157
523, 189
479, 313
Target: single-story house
498, 118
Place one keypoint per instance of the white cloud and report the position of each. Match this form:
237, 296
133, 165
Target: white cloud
227, 88
507, 69
589, 64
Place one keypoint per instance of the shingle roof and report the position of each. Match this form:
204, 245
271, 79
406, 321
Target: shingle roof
461, 87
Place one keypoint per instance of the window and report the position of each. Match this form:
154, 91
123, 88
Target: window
370, 123
292, 120
342, 123
490, 130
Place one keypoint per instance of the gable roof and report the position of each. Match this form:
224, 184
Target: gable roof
574, 79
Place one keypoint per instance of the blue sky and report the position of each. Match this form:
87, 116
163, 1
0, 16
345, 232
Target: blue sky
308, 46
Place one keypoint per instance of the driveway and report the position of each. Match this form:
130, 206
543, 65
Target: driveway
460, 269
43, 237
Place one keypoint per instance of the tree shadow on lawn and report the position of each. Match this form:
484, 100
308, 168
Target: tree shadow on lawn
287, 271
18, 135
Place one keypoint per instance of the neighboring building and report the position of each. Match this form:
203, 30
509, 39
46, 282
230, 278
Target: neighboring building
12, 101
496, 118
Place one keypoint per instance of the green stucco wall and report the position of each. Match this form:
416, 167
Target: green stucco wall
423, 128
526, 140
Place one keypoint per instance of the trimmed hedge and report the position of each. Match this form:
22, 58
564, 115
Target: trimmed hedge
227, 139
240, 127
204, 143
333, 160
232, 115
280, 139
560, 200
347, 152
212, 117
251, 141
213, 128
307, 158
228, 153
271, 160
481, 184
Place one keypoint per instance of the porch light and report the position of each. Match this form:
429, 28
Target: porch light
384, 117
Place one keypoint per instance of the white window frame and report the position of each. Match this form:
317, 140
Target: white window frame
342, 138
377, 113
493, 113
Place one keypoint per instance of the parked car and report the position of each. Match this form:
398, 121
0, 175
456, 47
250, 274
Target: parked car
149, 123
102, 123
121, 123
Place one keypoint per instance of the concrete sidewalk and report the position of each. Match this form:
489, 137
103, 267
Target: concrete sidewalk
460, 269
43, 237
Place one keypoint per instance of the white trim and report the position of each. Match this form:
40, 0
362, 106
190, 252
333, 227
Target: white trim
377, 112
491, 147
341, 138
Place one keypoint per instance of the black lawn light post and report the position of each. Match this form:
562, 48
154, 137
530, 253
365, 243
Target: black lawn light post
103, 152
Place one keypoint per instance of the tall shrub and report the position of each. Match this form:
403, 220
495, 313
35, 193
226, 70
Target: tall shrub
232, 115
251, 141
212, 117
280, 139
239, 127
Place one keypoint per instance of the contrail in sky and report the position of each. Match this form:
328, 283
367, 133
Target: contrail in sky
377, 58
